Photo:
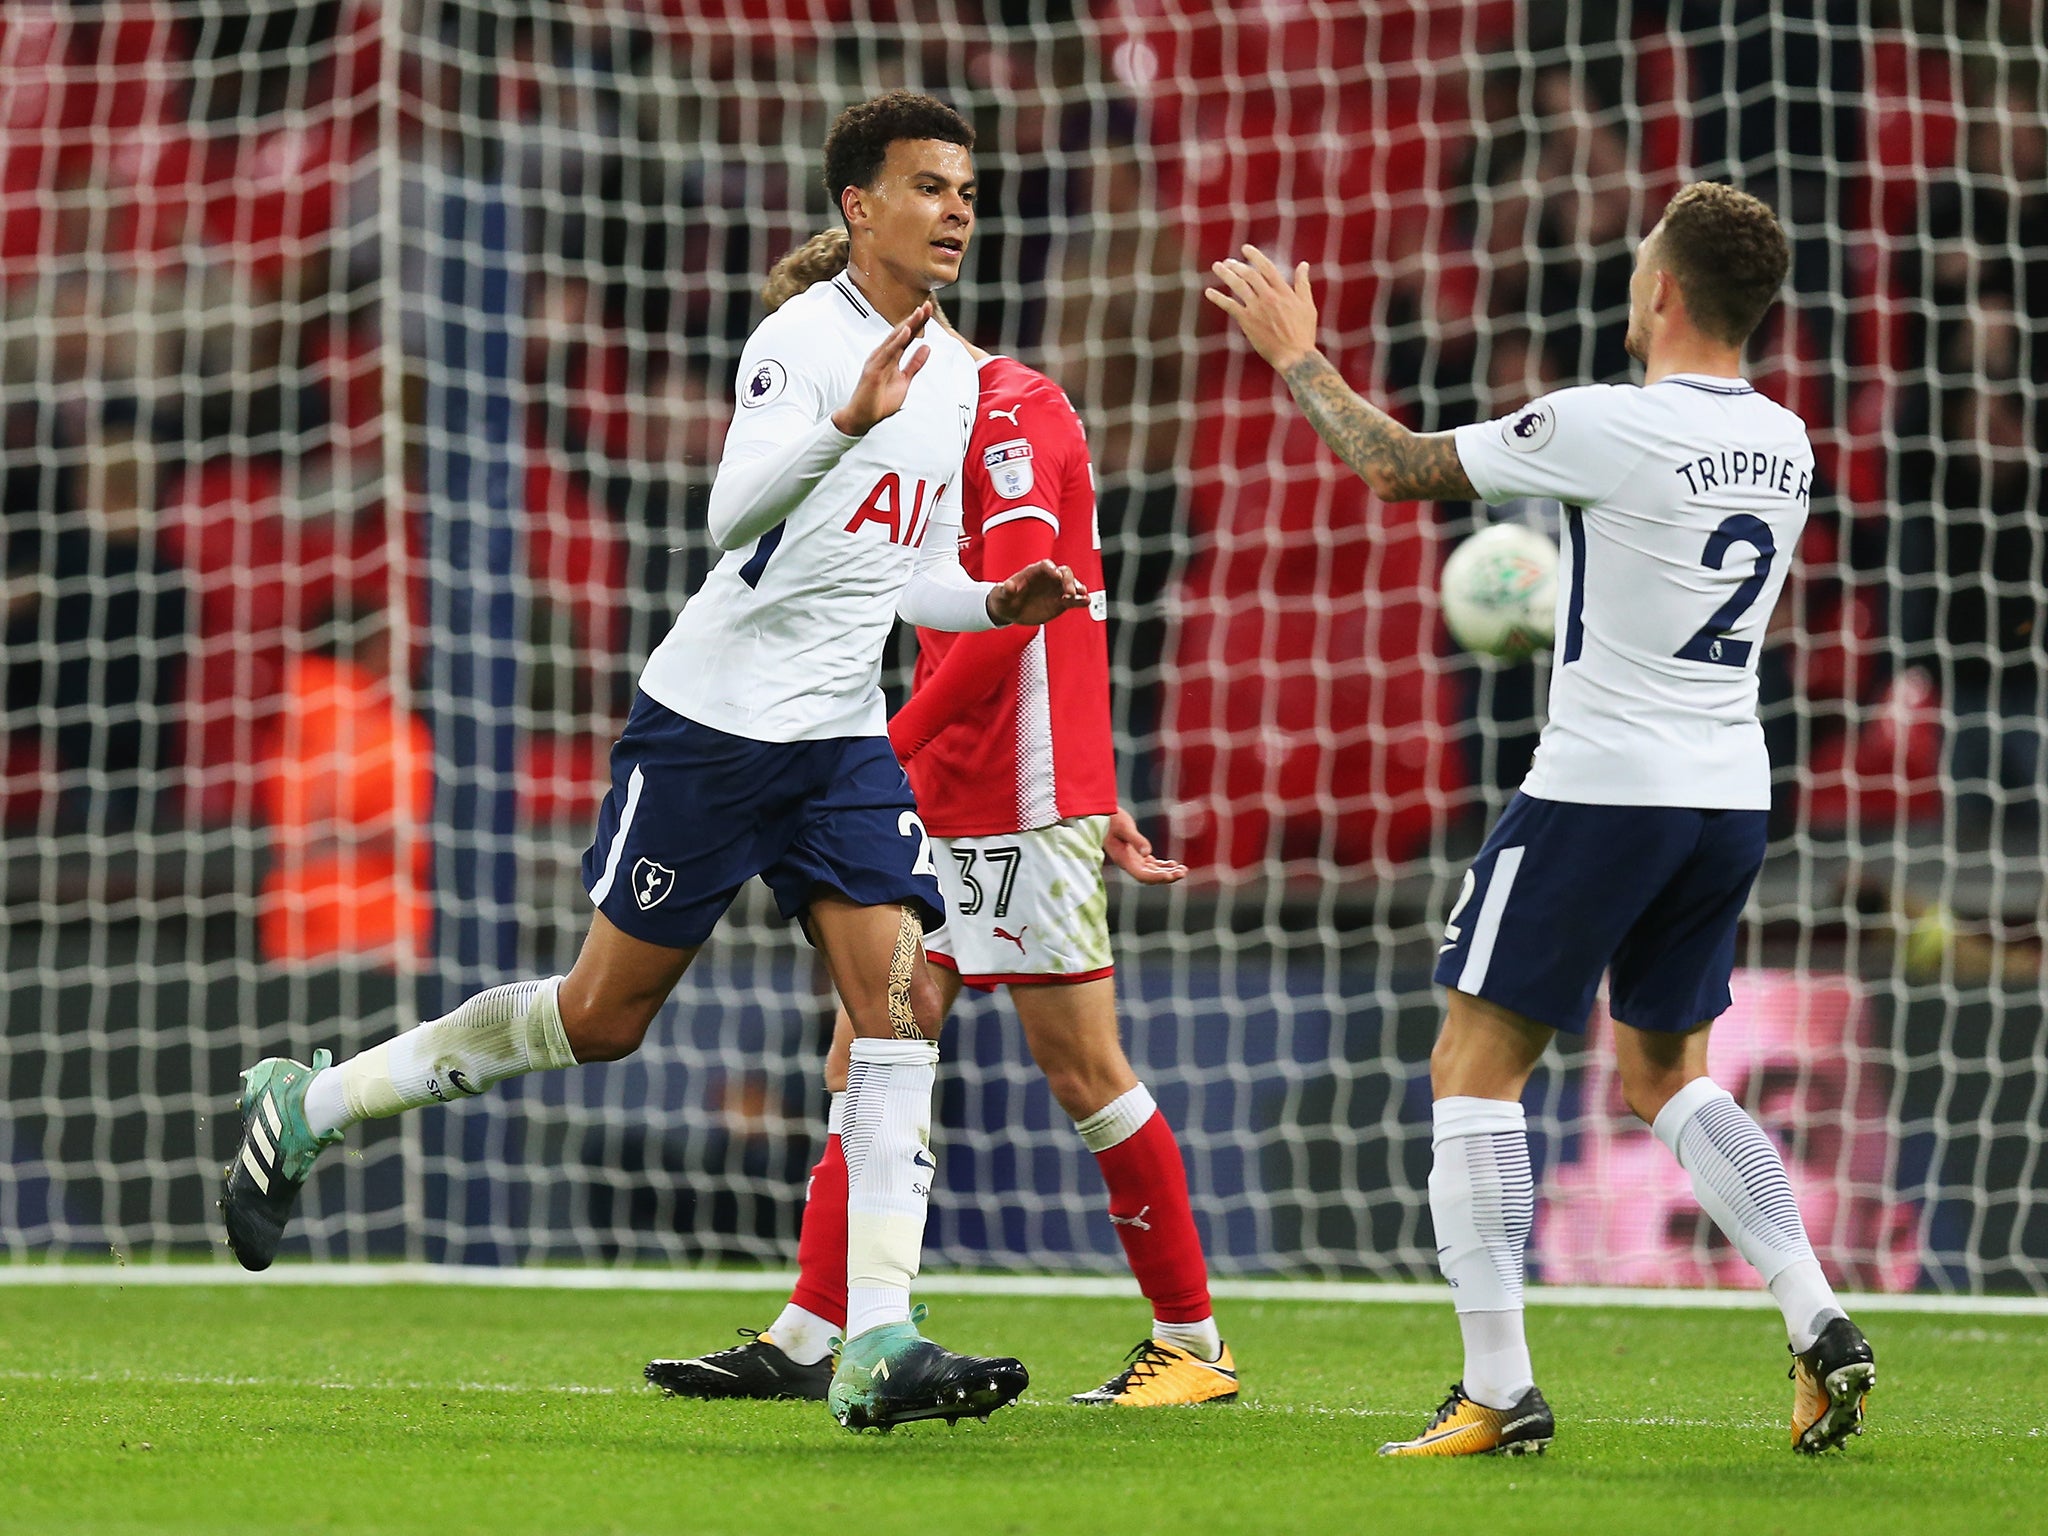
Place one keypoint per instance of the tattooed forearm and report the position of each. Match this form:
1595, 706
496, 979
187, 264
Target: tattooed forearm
1399, 464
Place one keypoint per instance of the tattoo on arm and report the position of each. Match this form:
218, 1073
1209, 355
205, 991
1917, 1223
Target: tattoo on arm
1399, 464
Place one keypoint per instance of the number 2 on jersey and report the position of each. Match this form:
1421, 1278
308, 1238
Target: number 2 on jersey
910, 823
1712, 644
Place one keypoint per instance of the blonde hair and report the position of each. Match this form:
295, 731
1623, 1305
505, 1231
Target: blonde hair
821, 257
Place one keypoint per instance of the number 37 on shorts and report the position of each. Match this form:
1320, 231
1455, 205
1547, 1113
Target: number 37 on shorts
1025, 907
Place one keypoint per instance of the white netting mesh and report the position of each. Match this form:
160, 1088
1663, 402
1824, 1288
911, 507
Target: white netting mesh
363, 367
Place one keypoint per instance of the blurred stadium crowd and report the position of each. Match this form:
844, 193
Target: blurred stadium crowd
212, 238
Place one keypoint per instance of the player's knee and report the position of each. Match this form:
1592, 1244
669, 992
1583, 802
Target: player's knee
1450, 1063
604, 1039
1442, 1058
1642, 1103
1076, 1090
1647, 1090
600, 1029
881, 1018
1082, 1082
926, 1006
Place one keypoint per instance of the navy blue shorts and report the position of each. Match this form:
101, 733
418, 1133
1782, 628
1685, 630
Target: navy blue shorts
1561, 892
693, 814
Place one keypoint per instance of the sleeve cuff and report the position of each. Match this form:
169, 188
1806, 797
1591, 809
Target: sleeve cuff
1472, 456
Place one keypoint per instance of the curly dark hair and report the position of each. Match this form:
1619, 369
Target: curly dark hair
859, 141
1728, 253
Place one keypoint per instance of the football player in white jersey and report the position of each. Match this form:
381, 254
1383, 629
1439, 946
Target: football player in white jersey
758, 745
1634, 841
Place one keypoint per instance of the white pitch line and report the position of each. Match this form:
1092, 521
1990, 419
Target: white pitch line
1032, 1287
1302, 1410
178, 1379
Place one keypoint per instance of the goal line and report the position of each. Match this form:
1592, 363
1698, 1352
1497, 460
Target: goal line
1039, 1286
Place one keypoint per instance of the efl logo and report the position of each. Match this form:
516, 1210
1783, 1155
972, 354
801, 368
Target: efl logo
1009, 467
884, 506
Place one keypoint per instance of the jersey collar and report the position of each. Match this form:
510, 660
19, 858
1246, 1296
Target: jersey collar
1710, 384
852, 295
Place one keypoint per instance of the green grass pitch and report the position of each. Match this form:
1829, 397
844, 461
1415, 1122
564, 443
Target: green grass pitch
444, 1409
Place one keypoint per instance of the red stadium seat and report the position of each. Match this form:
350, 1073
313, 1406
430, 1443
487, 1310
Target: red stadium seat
28, 770
347, 75
261, 580
1305, 729
279, 206
75, 87
31, 100
562, 778
352, 359
575, 556
1887, 768
1913, 128
1307, 714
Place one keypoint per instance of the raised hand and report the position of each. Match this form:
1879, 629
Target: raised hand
1131, 851
1277, 317
1038, 594
885, 378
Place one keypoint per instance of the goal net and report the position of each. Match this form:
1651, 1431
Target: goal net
364, 364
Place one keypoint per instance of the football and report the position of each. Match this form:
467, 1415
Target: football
1500, 591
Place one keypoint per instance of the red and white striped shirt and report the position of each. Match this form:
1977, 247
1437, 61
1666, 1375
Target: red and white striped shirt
1009, 731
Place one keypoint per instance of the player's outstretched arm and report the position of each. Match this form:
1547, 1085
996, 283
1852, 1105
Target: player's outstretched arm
976, 665
1279, 319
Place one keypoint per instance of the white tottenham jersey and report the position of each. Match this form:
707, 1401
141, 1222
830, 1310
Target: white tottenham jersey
784, 641
1684, 503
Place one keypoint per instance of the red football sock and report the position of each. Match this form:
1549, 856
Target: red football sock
1148, 1203
821, 1246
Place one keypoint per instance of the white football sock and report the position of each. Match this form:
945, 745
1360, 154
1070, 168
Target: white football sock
871, 1306
803, 1336
495, 1035
889, 1168
1199, 1339
1740, 1182
1118, 1120
1483, 1201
